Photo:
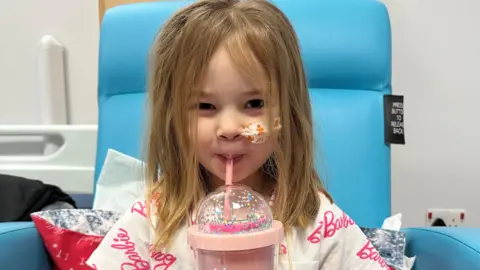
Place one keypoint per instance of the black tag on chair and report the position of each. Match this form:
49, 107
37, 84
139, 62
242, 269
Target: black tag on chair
393, 110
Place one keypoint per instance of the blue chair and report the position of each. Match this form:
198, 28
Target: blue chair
347, 54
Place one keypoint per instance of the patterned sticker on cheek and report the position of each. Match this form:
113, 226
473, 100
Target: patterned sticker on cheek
257, 132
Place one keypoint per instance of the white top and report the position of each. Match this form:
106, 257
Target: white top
334, 241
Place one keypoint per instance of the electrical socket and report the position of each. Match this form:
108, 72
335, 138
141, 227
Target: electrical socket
438, 217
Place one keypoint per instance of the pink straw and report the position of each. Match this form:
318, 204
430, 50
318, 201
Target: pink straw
228, 183
229, 172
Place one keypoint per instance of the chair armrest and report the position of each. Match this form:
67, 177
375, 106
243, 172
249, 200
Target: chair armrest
21, 247
444, 248
70, 167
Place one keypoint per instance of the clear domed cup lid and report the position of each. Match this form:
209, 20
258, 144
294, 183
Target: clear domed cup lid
234, 209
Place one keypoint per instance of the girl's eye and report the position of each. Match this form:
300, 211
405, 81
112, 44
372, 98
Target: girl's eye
255, 104
206, 106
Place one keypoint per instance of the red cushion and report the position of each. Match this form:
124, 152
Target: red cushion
72, 235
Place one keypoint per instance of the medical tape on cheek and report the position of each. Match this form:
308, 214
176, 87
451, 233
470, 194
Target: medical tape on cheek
257, 132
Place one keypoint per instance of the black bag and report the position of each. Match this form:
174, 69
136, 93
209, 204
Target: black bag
19, 197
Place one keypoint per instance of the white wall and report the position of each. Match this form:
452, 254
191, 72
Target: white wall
73, 23
436, 66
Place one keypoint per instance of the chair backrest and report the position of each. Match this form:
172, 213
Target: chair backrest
347, 54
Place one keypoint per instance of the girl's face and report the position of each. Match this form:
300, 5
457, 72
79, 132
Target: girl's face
228, 101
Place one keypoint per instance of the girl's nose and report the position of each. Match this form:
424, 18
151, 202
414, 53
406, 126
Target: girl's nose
229, 134
229, 129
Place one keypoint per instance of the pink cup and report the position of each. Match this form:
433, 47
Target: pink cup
235, 231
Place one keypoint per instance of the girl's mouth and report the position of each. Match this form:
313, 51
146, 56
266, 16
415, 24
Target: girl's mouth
236, 158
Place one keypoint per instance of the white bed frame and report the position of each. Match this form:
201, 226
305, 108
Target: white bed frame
69, 166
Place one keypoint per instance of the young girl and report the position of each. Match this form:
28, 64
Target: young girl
218, 66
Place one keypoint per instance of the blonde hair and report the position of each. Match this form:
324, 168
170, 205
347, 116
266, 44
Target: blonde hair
258, 36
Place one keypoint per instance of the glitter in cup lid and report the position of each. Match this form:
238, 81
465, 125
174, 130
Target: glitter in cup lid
234, 209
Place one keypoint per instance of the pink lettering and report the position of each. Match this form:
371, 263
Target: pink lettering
165, 259
139, 208
330, 226
284, 248
124, 243
368, 252
333, 225
314, 237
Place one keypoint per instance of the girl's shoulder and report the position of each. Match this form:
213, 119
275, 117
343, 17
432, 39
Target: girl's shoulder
334, 240
325, 198
330, 221
129, 242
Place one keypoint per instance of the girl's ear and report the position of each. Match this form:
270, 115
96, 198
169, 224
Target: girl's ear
276, 124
